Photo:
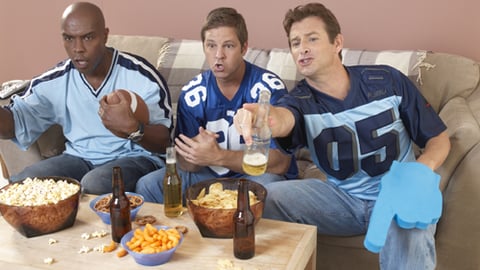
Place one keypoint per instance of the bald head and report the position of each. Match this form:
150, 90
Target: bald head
87, 11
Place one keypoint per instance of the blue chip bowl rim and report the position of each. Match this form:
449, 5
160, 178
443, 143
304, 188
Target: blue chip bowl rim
155, 259
103, 216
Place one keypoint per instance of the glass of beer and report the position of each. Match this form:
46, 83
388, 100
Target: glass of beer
255, 156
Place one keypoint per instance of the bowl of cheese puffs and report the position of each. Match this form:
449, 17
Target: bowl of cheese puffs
152, 244
40, 205
212, 204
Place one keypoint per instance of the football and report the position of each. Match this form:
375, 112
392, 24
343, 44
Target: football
137, 104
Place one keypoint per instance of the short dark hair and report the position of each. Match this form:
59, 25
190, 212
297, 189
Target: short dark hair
226, 16
312, 9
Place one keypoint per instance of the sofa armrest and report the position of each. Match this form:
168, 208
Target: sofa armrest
464, 133
51, 143
457, 231
17, 159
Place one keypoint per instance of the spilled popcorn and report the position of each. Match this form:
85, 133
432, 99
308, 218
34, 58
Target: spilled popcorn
85, 236
99, 248
95, 234
84, 249
99, 234
225, 264
52, 241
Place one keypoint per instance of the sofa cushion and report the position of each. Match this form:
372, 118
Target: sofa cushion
306, 167
146, 47
179, 62
450, 76
405, 61
282, 64
258, 57
336, 253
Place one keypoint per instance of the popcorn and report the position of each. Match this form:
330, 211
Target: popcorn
84, 249
226, 264
52, 241
99, 234
99, 248
35, 192
95, 234
48, 260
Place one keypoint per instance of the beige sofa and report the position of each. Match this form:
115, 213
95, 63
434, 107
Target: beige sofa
449, 82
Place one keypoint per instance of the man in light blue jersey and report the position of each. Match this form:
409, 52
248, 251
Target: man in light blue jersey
206, 141
357, 122
73, 95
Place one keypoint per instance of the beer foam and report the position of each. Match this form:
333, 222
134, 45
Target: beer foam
255, 159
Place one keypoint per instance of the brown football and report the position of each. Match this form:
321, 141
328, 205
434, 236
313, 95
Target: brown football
137, 104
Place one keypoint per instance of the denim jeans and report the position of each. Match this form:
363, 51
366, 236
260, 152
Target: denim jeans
94, 179
151, 185
334, 212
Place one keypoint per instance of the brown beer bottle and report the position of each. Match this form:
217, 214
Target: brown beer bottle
172, 187
243, 224
119, 207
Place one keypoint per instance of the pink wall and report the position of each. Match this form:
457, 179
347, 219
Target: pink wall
30, 38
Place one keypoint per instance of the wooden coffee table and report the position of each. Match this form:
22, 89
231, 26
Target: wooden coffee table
279, 245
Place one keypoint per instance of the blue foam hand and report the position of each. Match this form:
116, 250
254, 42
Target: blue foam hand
410, 195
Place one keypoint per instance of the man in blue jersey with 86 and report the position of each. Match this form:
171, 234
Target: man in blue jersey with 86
360, 124
73, 95
207, 144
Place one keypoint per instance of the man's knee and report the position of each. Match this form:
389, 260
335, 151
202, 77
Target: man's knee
97, 181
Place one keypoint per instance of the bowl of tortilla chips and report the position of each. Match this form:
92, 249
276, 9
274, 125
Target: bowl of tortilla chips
212, 204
